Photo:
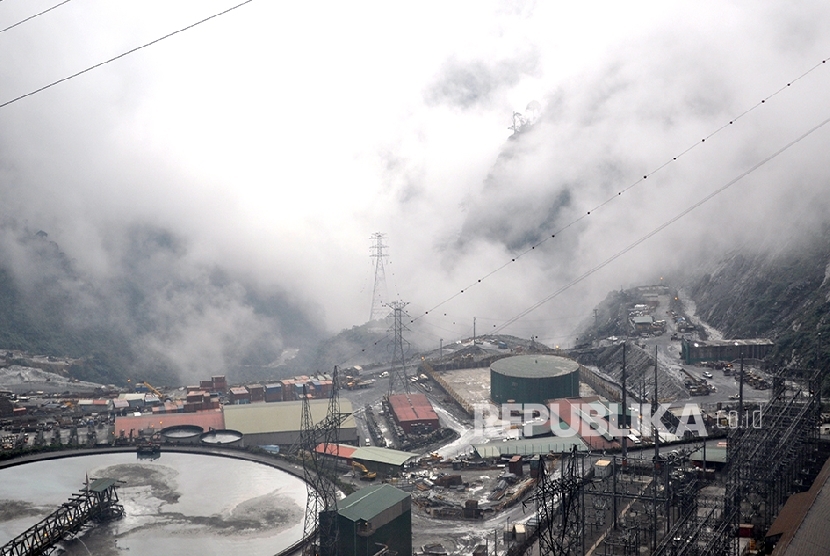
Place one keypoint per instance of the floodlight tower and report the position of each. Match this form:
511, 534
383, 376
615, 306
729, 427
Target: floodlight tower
379, 292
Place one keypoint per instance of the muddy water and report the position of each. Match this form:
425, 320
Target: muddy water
177, 504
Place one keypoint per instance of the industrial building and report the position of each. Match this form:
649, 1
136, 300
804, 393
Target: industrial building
279, 423
533, 379
413, 413
801, 526
695, 351
372, 519
131, 425
385, 461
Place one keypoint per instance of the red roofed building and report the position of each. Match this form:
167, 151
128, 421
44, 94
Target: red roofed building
342, 451
413, 413
207, 420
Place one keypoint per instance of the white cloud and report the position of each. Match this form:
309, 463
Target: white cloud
277, 138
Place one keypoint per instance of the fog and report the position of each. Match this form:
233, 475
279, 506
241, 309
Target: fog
245, 162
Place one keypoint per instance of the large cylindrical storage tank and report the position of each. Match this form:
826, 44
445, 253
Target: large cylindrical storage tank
533, 379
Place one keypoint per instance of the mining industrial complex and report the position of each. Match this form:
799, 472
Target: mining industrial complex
653, 443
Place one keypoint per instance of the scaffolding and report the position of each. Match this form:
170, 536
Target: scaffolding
787, 426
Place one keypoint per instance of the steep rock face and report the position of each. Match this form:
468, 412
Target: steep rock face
639, 365
782, 295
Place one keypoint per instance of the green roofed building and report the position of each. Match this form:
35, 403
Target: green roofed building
370, 519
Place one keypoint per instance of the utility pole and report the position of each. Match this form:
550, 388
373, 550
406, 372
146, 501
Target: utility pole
741, 388
820, 372
625, 412
379, 292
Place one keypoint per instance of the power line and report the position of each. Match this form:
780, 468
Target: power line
99, 64
662, 226
33, 16
625, 189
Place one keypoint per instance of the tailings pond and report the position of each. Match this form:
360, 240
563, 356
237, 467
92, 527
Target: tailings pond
177, 504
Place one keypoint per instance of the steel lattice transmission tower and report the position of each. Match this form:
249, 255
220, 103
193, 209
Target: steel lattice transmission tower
379, 292
319, 471
560, 505
398, 381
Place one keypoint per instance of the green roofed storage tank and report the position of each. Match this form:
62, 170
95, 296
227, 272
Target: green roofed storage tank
533, 379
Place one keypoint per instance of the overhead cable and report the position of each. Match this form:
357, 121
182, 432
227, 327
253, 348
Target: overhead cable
625, 189
33, 16
661, 227
99, 64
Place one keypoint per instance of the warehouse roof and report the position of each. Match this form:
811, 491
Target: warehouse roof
530, 447
802, 522
367, 503
344, 451
367, 453
383, 455
211, 419
258, 418
534, 366
412, 407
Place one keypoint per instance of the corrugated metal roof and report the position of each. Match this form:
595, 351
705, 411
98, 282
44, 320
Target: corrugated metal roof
382, 455
412, 407
211, 419
337, 450
279, 416
367, 503
803, 520
529, 447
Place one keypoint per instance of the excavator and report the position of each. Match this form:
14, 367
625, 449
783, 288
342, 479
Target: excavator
365, 474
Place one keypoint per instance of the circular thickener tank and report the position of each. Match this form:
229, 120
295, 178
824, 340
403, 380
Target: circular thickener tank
182, 434
224, 437
533, 379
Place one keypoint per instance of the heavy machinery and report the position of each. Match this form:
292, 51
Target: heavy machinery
154, 390
365, 474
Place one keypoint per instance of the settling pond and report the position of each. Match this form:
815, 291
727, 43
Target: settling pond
177, 504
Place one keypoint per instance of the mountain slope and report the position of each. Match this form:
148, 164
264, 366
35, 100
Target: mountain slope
154, 314
783, 295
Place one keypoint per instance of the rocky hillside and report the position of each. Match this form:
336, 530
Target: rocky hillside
783, 295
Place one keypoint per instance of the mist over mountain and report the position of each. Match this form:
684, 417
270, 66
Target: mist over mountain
211, 196
156, 316
782, 294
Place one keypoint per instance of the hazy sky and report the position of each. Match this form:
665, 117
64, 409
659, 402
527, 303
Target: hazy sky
275, 139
